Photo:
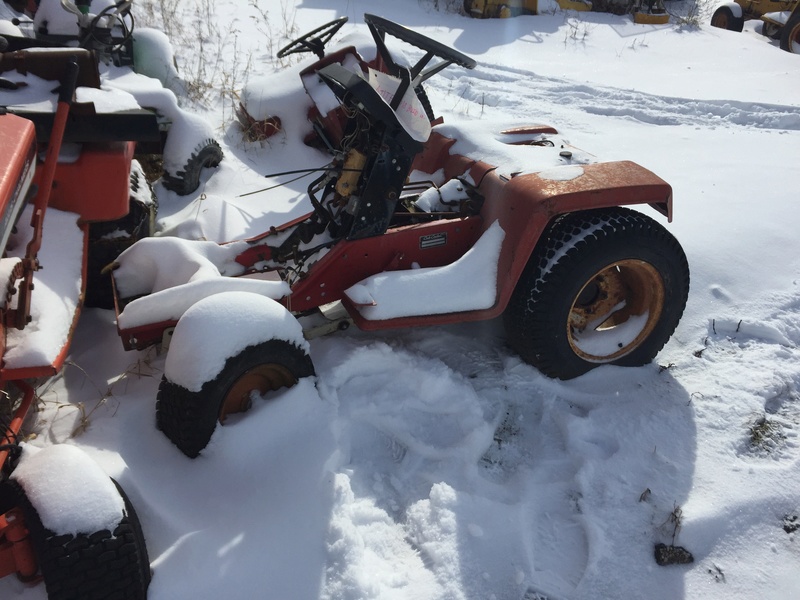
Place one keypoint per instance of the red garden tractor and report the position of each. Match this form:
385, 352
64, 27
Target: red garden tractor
61, 518
406, 231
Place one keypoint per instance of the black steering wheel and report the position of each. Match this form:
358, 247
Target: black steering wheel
91, 36
379, 27
314, 41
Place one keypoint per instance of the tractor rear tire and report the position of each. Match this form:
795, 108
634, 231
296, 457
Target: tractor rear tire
108, 239
189, 418
605, 286
100, 565
187, 180
790, 34
724, 18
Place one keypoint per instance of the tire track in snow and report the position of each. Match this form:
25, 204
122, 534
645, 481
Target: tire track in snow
573, 460
512, 89
529, 455
506, 481
439, 491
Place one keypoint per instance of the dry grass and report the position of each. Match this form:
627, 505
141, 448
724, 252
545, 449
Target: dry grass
210, 59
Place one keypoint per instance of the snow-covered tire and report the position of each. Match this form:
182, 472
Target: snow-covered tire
108, 239
101, 565
207, 155
189, 418
724, 18
566, 314
790, 34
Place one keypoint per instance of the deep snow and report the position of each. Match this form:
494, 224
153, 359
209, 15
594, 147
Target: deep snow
433, 463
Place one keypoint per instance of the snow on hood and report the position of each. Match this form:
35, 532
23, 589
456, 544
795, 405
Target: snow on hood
481, 140
158, 263
281, 95
171, 274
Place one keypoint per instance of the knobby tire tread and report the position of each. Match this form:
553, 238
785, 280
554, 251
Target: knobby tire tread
187, 180
103, 565
535, 318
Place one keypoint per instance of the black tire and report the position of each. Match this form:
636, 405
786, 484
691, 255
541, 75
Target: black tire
145, 573
790, 34
98, 566
187, 180
108, 239
587, 264
188, 418
724, 18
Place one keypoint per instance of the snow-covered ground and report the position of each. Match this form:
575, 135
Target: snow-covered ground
434, 463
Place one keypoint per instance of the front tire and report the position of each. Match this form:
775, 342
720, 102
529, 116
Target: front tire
790, 34
605, 286
189, 418
96, 566
207, 155
724, 18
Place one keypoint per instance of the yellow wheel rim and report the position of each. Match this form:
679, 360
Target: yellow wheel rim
615, 311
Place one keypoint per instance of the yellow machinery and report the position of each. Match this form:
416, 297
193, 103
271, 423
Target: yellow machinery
780, 19
502, 9
643, 11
